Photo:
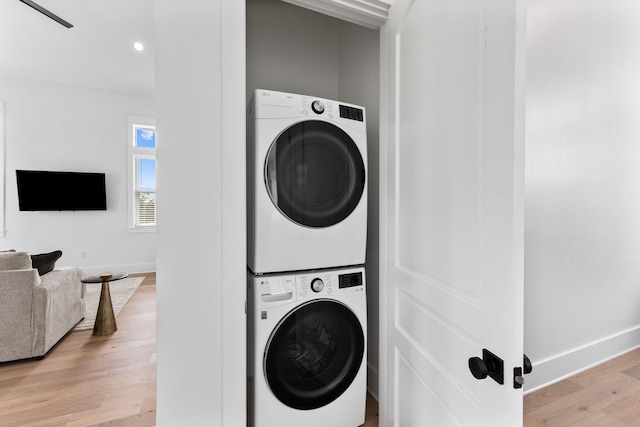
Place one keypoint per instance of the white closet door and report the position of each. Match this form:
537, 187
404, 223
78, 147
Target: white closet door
452, 223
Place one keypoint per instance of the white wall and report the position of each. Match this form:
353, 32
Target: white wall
582, 281
71, 128
201, 276
296, 50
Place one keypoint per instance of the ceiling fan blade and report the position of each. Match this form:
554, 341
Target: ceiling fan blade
45, 12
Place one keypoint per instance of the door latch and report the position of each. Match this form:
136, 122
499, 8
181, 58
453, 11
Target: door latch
519, 372
490, 365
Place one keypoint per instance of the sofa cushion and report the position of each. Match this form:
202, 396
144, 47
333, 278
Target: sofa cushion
14, 261
45, 263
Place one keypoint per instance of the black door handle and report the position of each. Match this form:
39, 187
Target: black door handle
489, 365
478, 368
526, 364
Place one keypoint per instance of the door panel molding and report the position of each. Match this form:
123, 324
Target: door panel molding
415, 406
442, 286
450, 221
418, 323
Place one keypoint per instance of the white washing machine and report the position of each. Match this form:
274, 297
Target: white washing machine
306, 183
307, 349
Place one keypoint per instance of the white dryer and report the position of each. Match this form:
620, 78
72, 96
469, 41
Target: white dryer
306, 183
307, 349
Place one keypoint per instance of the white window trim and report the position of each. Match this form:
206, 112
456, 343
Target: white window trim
133, 154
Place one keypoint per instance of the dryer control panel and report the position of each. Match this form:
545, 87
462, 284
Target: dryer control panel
268, 104
311, 106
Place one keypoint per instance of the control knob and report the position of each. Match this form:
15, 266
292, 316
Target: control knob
317, 285
317, 107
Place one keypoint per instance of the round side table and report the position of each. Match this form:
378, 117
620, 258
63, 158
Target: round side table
105, 319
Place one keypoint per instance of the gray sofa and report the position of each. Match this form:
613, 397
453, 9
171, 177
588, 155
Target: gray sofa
36, 312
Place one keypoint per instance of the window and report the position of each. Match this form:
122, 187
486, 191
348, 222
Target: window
142, 174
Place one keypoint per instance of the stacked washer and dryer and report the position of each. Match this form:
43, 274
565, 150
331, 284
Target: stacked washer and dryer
307, 233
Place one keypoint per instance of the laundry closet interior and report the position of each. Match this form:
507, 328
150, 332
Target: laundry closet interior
296, 50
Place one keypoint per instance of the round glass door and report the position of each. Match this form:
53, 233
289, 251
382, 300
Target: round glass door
314, 354
315, 174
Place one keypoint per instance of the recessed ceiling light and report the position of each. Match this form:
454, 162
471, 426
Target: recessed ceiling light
138, 46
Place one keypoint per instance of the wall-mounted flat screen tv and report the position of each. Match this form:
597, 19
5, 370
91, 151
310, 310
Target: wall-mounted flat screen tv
61, 191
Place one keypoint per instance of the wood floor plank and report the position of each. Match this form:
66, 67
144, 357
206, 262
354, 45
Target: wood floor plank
634, 371
550, 394
619, 364
600, 419
626, 410
53, 407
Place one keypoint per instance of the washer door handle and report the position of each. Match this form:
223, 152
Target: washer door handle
283, 296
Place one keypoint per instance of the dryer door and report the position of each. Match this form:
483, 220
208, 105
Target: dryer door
314, 354
315, 174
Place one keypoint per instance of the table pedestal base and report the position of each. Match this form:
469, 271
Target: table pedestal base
105, 319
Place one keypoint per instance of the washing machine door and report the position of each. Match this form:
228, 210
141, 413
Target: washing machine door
315, 174
314, 354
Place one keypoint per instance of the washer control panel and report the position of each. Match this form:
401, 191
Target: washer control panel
330, 282
273, 290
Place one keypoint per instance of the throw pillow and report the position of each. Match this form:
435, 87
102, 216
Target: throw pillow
45, 262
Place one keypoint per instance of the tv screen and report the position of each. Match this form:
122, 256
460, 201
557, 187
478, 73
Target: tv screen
61, 191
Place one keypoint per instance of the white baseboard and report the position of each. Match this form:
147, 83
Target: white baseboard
556, 368
122, 268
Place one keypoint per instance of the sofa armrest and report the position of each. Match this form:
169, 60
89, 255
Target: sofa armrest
58, 306
16, 302
67, 278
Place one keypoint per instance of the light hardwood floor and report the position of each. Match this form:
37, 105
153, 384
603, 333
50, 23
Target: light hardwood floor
96, 381
606, 395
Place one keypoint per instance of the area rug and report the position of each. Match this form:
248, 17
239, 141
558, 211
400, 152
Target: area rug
120, 290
